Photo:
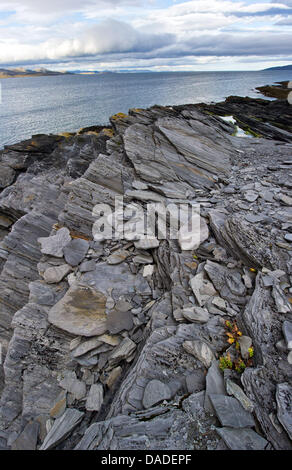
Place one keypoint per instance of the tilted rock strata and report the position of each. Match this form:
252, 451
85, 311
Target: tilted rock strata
114, 344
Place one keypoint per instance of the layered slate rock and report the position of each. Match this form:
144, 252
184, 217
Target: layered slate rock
284, 402
109, 335
155, 392
242, 439
61, 428
231, 413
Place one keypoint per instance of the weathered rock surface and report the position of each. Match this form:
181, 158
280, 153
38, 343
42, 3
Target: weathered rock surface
131, 328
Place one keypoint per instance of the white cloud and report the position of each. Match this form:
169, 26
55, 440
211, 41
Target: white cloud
141, 31
110, 36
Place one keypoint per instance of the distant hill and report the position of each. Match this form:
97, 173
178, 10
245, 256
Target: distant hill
284, 67
22, 72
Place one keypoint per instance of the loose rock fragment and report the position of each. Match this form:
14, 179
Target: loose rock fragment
201, 351
55, 245
56, 273
81, 312
231, 413
155, 392
62, 427
242, 439
75, 251
284, 406
95, 398
196, 314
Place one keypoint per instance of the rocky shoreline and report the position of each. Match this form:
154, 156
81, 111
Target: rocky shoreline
147, 345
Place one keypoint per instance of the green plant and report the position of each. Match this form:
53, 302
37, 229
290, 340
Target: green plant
237, 363
225, 362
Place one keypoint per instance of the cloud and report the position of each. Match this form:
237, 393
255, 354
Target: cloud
53, 6
110, 36
140, 31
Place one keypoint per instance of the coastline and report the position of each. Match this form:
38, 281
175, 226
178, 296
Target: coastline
119, 335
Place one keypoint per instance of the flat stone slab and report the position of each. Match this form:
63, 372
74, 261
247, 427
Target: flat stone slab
27, 440
86, 346
55, 244
81, 312
231, 413
214, 385
147, 243
121, 352
191, 241
284, 406
71, 384
201, 351
7, 176
55, 274
95, 398
119, 321
118, 257
75, 251
287, 331
155, 392
242, 439
62, 427
196, 314
234, 389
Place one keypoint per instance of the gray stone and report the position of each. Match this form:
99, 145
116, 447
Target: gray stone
121, 352
251, 196
95, 398
86, 346
219, 303
147, 243
7, 176
148, 270
284, 406
81, 312
55, 245
287, 331
62, 427
59, 406
74, 386
56, 273
234, 389
231, 413
288, 237
75, 251
191, 241
118, 257
28, 438
155, 392
267, 195
242, 439
202, 288
201, 351
87, 266
196, 382
113, 377
214, 385
286, 200
196, 314
245, 342
143, 259
118, 321
254, 218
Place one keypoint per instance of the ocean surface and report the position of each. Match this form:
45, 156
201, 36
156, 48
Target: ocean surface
58, 104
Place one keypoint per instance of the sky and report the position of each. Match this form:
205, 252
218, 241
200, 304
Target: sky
158, 35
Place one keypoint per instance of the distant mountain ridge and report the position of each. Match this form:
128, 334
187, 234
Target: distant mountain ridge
23, 72
284, 67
